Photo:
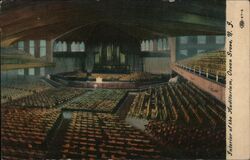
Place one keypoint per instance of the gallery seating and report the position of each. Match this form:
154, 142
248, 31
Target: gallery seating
213, 63
181, 102
185, 120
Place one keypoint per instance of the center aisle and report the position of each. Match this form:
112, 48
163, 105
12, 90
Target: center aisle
56, 142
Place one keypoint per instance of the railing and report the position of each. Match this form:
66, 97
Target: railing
11, 51
217, 78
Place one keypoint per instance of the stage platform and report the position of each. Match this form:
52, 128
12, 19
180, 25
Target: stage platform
105, 84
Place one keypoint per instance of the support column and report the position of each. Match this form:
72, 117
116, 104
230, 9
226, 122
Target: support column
89, 59
26, 46
26, 71
155, 45
37, 48
49, 56
37, 71
49, 50
172, 47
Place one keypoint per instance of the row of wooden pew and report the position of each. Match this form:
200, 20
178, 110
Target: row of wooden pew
18, 88
48, 98
8, 94
213, 63
100, 100
185, 121
24, 132
27, 84
181, 103
105, 136
189, 141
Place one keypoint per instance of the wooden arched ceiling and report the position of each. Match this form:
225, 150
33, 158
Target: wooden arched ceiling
48, 19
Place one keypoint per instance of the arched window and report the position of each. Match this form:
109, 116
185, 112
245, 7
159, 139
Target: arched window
147, 45
97, 58
122, 58
82, 47
77, 46
159, 46
64, 47
59, 46
55, 46
151, 45
73, 47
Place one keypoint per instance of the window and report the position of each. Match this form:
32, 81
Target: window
200, 51
201, 39
20, 72
73, 47
220, 39
42, 71
77, 47
31, 71
55, 46
64, 46
42, 48
184, 40
82, 47
184, 52
59, 46
122, 58
151, 45
20, 45
164, 44
97, 58
32, 47
159, 46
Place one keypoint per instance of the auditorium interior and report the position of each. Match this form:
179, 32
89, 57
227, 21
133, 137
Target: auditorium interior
113, 79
